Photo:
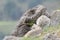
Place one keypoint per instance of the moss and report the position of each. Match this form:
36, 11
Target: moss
31, 22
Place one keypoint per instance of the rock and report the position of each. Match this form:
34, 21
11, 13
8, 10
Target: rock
35, 27
30, 15
57, 33
41, 10
55, 18
43, 21
50, 36
11, 38
36, 31
21, 31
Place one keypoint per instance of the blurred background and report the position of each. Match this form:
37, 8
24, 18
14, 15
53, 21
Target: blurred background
12, 10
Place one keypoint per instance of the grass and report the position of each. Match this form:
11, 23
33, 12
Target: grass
45, 31
7, 26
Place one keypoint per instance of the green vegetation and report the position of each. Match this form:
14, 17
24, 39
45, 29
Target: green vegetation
7, 26
31, 22
45, 31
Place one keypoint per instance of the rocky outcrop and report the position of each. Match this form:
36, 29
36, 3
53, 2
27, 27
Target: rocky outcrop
35, 31
55, 18
33, 21
43, 21
21, 31
30, 16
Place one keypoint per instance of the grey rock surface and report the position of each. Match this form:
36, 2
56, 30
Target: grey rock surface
12, 38
31, 14
43, 21
21, 31
35, 31
51, 36
35, 26
55, 18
